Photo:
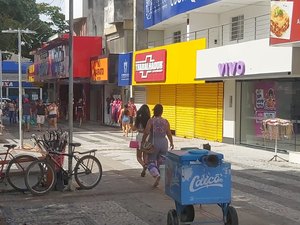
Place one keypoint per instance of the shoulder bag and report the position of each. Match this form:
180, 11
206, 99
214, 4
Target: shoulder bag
148, 147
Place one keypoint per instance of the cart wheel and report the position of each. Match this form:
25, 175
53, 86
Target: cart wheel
187, 214
172, 217
232, 217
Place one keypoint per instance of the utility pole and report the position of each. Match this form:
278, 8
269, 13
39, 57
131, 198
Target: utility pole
1, 85
134, 41
71, 98
19, 32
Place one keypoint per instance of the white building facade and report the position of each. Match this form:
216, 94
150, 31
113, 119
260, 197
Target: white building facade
260, 80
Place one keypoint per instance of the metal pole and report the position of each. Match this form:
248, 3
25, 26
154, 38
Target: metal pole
20, 89
134, 40
70, 91
1, 74
19, 32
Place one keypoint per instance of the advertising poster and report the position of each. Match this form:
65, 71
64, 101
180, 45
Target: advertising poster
125, 69
99, 69
285, 22
265, 103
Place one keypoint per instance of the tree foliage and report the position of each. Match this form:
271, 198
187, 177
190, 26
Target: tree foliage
25, 14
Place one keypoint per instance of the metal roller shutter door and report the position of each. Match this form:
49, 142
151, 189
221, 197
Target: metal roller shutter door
209, 111
185, 110
153, 93
167, 99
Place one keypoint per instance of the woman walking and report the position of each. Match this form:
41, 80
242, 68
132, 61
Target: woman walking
124, 120
142, 117
158, 128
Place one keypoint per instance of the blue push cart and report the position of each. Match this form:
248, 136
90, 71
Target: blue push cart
196, 177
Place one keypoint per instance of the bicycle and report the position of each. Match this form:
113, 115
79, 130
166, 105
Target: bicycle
40, 177
14, 173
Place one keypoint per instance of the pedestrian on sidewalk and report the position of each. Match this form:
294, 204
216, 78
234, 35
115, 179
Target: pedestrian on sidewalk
157, 128
132, 112
142, 117
124, 120
27, 113
52, 110
12, 112
79, 111
41, 114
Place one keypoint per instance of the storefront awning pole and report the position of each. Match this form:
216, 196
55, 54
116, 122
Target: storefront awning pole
70, 107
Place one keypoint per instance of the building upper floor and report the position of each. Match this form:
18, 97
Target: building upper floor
221, 22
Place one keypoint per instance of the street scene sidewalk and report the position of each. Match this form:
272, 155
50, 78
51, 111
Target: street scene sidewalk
261, 191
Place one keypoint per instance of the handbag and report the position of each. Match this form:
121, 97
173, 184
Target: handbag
148, 147
133, 143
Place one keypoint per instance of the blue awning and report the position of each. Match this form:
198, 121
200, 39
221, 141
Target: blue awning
12, 67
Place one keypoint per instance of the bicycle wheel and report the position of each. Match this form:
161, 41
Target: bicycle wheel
16, 169
88, 172
40, 177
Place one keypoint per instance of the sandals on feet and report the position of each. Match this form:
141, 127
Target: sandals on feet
156, 183
143, 173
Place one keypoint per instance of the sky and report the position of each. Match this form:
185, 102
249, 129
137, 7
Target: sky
59, 3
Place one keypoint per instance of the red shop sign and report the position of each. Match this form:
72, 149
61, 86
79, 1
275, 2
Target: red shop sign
150, 66
285, 22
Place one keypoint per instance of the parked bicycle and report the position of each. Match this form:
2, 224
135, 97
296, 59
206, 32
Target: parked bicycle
41, 175
13, 168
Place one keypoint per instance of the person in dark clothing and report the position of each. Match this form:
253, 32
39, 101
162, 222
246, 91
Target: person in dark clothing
41, 113
142, 117
79, 111
26, 114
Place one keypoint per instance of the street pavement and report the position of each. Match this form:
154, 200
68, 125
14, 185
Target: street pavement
263, 192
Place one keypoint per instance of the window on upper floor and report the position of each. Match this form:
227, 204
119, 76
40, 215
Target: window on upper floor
177, 36
90, 4
237, 28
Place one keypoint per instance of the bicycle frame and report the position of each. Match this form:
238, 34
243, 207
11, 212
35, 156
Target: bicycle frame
5, 161
73, 155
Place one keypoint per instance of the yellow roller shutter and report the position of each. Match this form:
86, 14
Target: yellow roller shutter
185, 110
209, 111
167, 99
153, 93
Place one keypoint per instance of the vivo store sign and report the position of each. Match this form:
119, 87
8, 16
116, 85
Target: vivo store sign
156, 11
243, 59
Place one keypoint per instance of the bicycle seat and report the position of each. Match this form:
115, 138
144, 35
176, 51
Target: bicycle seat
10, 146
75, 144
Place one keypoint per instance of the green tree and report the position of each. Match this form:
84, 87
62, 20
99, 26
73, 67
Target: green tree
25, 14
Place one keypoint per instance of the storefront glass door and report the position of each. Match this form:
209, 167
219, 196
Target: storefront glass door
271, 109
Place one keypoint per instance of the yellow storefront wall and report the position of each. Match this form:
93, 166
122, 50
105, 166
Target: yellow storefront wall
185, 110
180, 65
193, 108
209, 111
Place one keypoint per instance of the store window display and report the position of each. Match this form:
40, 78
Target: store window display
268, 100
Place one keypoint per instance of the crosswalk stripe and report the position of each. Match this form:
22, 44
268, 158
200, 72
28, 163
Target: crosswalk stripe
269, 206
267, 177
267, 188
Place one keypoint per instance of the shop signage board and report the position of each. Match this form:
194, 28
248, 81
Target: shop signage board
285, 22
158, 11
99, 69
125, 69
243, 59
15, 84
150, 66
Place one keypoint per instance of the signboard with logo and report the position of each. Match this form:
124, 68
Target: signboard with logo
151, 66
99, 69
242, 59
125, 69
158, 11
285, 22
